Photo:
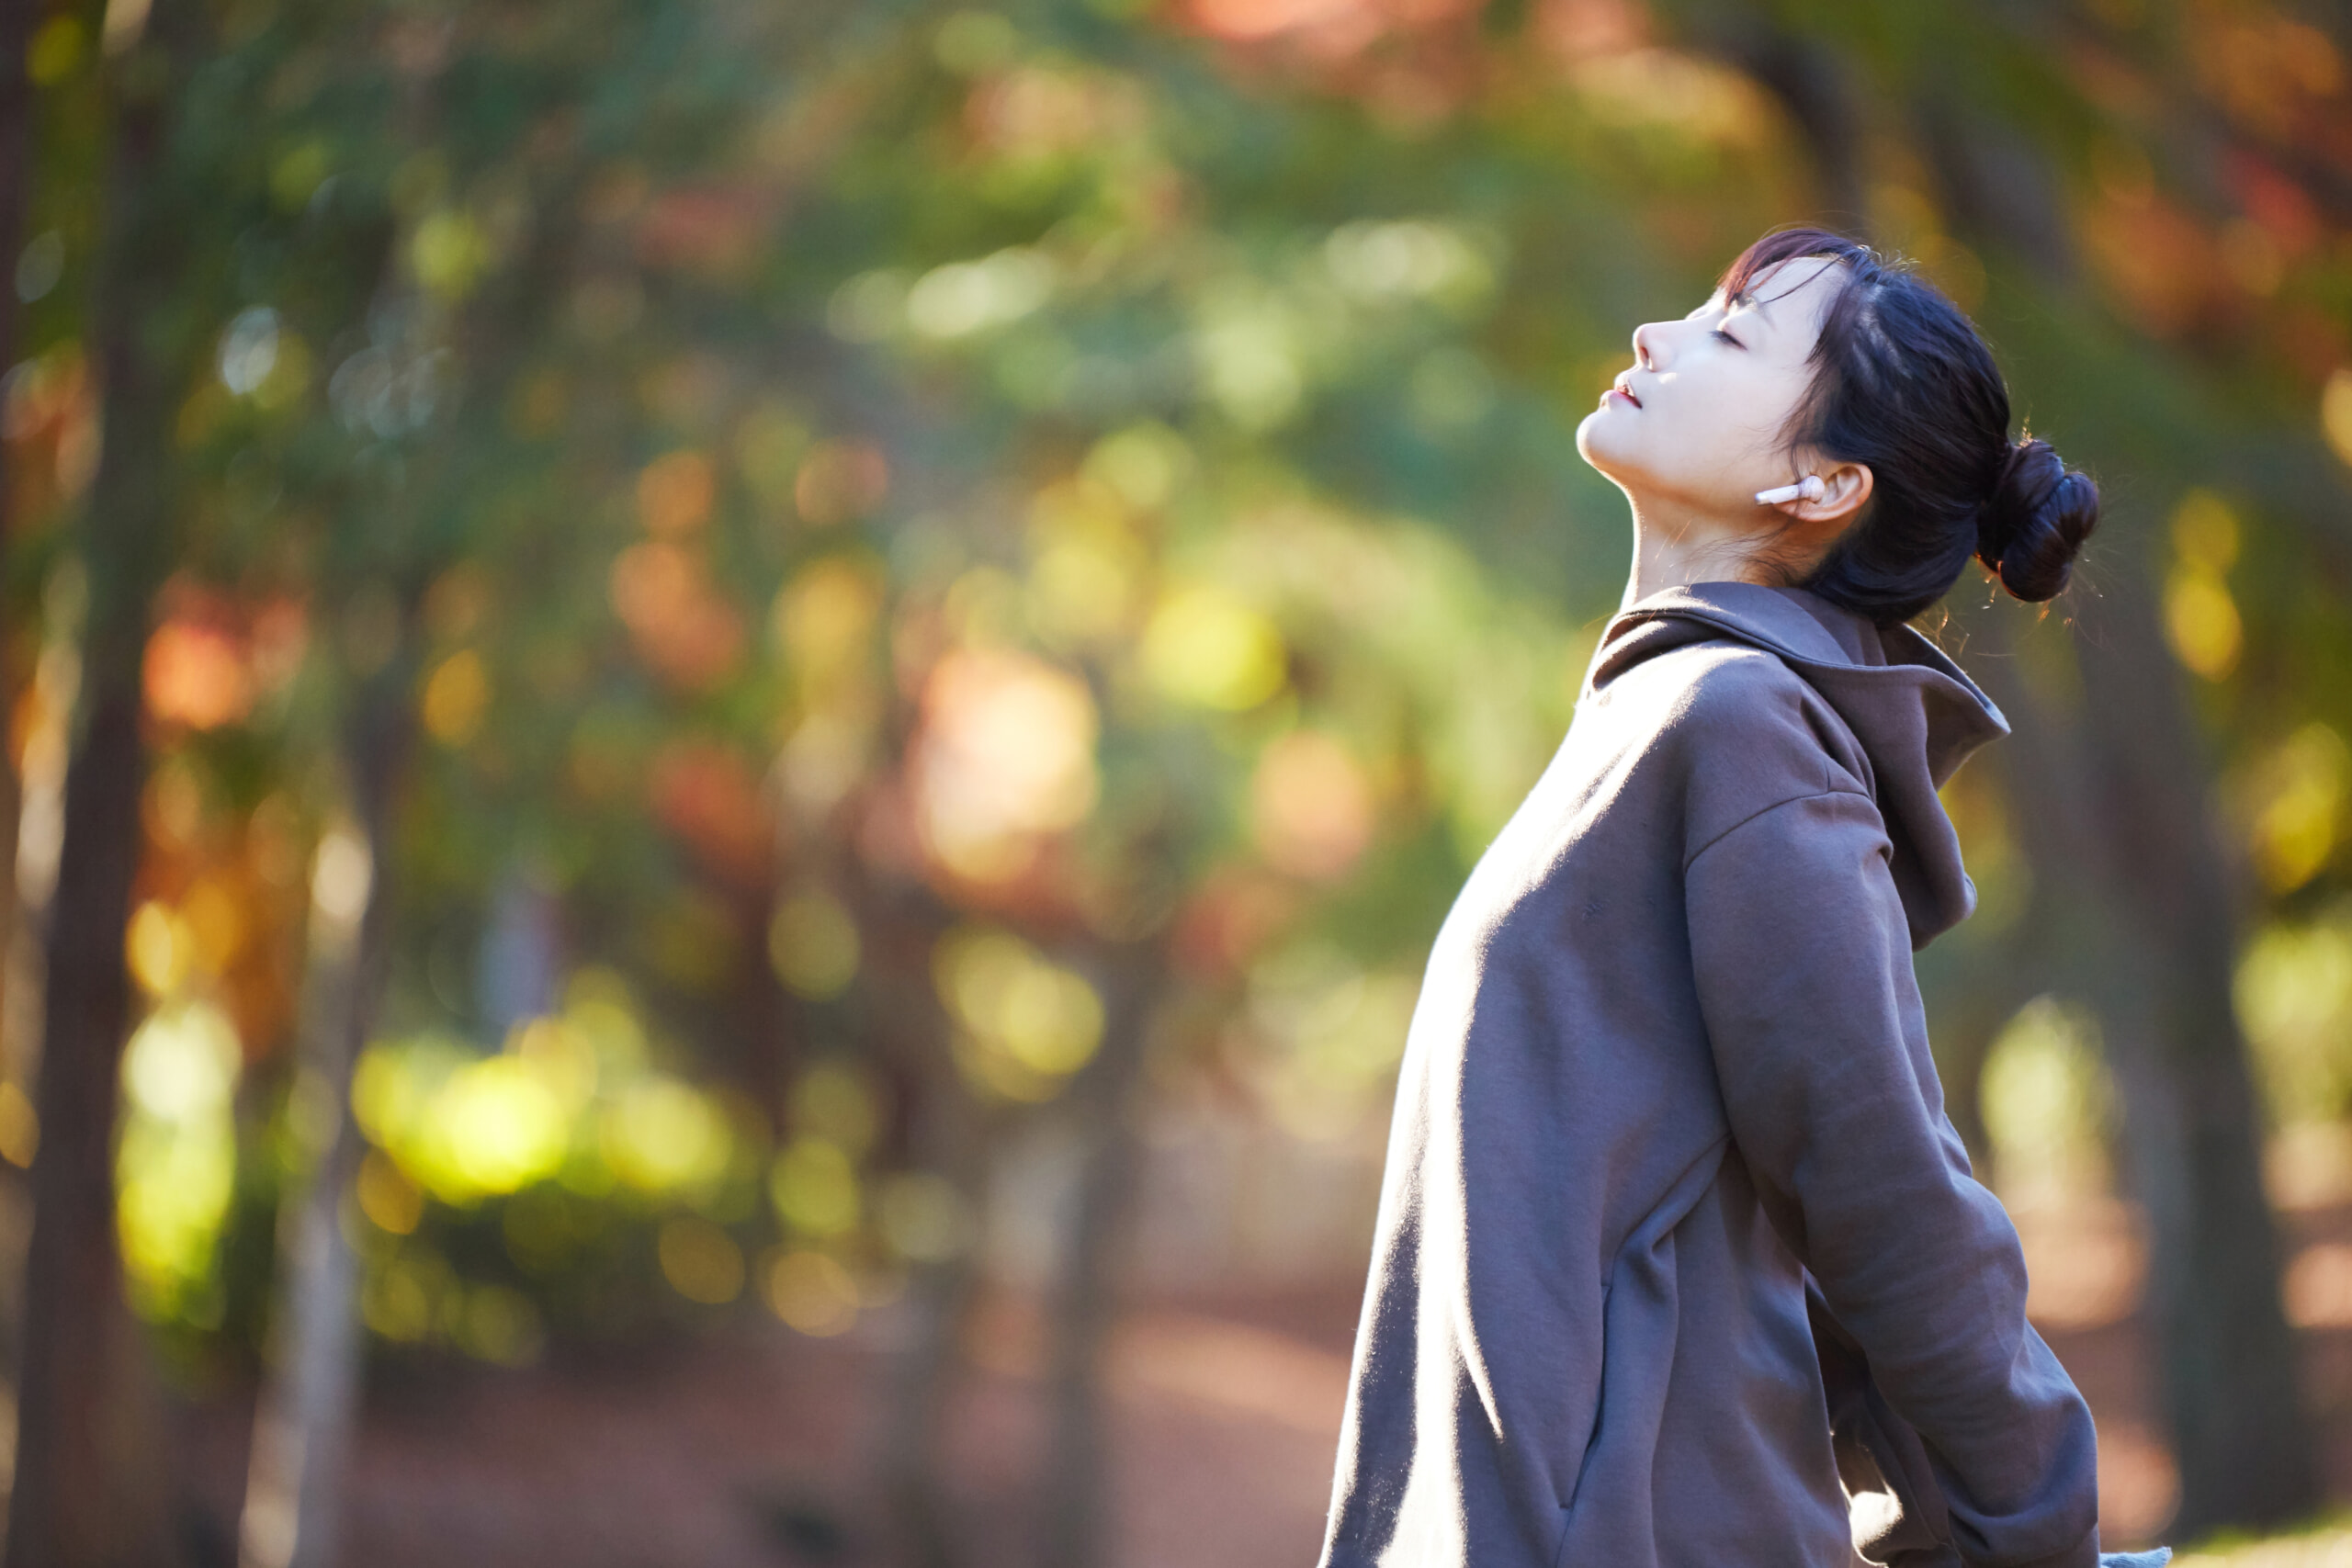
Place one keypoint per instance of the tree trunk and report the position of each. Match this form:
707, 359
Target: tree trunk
2243, 1439
75, 1487
92, 1484
1076, 1490
64, 1508
16, 182
301, 1433
948, 1134
905, 1460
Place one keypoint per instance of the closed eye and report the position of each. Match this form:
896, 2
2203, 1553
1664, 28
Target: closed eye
1728, 338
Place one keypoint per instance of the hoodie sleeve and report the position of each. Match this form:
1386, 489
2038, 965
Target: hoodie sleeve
1803, 963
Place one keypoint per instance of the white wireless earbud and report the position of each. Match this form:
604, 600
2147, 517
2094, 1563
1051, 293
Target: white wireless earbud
1810, 487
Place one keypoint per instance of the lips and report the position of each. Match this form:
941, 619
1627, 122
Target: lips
1622, 390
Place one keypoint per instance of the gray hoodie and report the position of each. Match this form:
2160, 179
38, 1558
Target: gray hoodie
1675, 1234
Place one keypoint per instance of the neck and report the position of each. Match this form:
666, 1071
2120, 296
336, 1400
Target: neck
1674, 547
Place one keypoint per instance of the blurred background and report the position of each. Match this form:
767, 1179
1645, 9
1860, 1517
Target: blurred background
733, 730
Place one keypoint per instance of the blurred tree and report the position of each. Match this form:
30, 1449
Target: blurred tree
309, 1400
91, 1484
16, 18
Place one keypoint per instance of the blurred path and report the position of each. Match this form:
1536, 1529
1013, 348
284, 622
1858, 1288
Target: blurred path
742, 1449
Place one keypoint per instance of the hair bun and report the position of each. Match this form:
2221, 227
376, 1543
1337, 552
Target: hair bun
2039, 512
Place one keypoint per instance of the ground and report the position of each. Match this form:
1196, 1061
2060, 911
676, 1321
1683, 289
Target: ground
743, 1450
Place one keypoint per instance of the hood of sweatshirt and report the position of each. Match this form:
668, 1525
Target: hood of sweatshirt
1916, 713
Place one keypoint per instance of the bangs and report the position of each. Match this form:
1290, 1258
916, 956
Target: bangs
1789, 244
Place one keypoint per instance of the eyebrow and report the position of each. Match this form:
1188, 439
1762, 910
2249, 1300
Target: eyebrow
1747, 296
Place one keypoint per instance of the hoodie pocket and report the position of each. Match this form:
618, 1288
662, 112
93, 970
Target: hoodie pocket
1592, 1433
1607, 1518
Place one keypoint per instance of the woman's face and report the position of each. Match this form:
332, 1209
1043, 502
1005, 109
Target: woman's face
1709, 394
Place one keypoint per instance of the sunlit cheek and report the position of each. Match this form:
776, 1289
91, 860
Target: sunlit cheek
1747, 412
1712, 448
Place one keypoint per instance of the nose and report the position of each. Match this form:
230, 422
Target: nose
1640, 349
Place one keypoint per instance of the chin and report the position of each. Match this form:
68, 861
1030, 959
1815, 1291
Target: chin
1593, 444
1586, 442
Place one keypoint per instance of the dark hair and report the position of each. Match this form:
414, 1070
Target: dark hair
1903, 384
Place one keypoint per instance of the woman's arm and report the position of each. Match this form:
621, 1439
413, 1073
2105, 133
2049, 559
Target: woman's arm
1877, 1451
1802, 962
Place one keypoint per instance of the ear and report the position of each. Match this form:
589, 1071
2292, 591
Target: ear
1847, 486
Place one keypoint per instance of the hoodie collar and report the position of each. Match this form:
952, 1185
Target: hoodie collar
1916, 713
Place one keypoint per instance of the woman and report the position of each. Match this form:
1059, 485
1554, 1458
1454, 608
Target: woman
1676, 1244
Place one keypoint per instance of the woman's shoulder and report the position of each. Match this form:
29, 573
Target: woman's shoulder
1728, 674
1747, 732
1726, 692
